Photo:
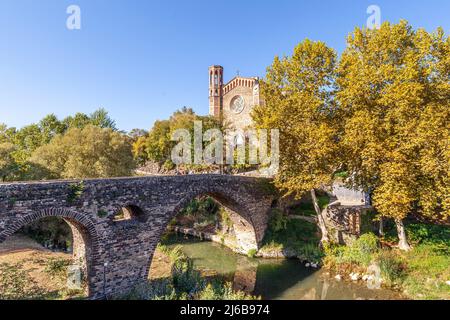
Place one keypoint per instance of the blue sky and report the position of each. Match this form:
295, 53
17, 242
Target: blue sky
142, 60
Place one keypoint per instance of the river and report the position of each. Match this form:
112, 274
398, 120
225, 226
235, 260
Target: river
273, 279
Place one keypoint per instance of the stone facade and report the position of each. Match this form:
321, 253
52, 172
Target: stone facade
344, 221
117, 254
232, 102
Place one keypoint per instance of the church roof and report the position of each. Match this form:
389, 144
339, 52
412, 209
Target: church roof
243, 78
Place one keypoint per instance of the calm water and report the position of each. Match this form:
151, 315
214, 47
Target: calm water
273, 279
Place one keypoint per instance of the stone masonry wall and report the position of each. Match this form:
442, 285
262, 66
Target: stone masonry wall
118, 254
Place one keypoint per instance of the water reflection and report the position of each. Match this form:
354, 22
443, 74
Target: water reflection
273, 279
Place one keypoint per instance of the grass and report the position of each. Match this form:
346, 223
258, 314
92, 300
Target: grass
294, 235
27, 271
17, 283
57, 268
427, 273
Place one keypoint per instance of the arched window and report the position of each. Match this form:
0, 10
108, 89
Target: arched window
130, 212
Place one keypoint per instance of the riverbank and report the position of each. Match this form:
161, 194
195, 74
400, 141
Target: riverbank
422, 273
271, 278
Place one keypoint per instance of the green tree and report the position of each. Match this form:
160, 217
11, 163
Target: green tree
157, 145
26, 140
79, 120
50, 126
100, 118
29, 138
298, 101
91, 152
7, 164
394, 92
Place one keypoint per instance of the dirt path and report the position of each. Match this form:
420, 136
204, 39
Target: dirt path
160, 267
31, 257
19, 243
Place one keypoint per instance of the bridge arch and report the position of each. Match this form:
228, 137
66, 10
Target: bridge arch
240, 214
243, 222
85, 238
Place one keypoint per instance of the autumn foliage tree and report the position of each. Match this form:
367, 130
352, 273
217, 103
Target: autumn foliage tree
394, 95
298, 101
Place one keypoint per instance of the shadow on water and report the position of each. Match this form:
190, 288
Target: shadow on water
275, 277
271, 279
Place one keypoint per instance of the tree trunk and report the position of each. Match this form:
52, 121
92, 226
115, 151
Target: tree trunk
403, 241
381, 228
320, 218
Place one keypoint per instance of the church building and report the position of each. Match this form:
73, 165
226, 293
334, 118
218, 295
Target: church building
232, 102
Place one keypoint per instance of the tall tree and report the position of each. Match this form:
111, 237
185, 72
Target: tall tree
50, 126
393, 90
7, 164
298, 101
100, 118
157, 145
91, 152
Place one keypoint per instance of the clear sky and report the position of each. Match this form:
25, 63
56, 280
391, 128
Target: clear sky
142, 59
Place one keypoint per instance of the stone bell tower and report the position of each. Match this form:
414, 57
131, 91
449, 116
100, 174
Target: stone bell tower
215, 91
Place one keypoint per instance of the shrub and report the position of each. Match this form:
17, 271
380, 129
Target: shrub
75, 191
175, 254
191, 209
278, 221
392, 267
436, 236
360, 252
161, 289
220, 291
57, 268
229, 294
309, 251
366, 244
185, 279
208, 206
168, 165
102, 213
252, 253
225, 218
209, 293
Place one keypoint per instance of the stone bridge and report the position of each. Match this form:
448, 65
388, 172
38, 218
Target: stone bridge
117, 254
